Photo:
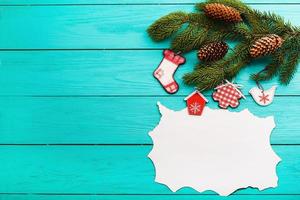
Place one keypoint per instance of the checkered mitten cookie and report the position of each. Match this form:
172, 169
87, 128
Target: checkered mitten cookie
165, 71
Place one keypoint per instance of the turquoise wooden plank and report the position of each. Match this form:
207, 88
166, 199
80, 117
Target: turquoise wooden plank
108, 170
117, 72
93, 27
51, 2
147, 197
113, 120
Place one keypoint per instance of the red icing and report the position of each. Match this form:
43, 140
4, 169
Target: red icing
195, 104
227, 95
173, 57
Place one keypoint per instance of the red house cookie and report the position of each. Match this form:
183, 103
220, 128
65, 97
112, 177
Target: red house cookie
195, 103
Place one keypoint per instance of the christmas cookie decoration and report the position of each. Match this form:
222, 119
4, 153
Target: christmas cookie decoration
263, 97
213, 51
228, 95
195, 103
166, 69
255, 33
220, 150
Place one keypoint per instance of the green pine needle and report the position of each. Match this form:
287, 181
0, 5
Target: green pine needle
289, 68
185, 41
271, 69
205, 78
167, 25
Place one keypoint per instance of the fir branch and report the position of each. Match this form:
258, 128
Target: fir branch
253, 20
216, 29
233, 63
199, 18
239, 59
275, 23
235, 68
201, 65
189, 39
271, 69
239, 52
221, 34
167, 25
199, 39
215, 36
291, 43
205, 78
289, 68
208, 75
243, 30
200, 6
182, 42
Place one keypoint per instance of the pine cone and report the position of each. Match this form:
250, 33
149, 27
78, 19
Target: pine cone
213, 51
265, 45
221, 12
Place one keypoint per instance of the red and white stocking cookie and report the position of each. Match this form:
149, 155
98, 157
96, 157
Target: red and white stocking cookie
166, 69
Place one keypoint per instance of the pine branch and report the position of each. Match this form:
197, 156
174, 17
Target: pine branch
167, 25
208, 75
237, 61
234, 69
221, 35
200, 19
289, 68
212, 31
275, 23
271, 69
257, 27
239, 52
199, 40
189, 39
243, 30
291, 43
182, 42
205, 78
217, 30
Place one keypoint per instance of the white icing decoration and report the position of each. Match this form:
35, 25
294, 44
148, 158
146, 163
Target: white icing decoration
263, 98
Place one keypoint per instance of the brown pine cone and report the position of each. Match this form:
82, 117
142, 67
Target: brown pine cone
265, 45
213, 51
221, 12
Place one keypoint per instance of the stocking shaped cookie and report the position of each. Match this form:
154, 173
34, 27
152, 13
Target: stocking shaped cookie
164, 73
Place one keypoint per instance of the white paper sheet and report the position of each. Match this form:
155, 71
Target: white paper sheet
221, 150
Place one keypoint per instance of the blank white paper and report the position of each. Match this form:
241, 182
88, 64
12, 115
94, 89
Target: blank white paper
220, 150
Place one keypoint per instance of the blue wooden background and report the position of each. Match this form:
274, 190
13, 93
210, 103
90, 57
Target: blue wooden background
78, 99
